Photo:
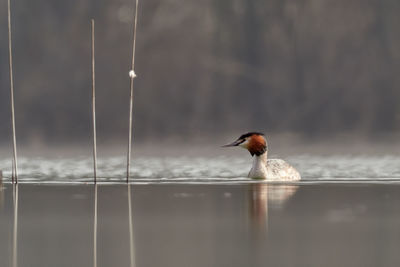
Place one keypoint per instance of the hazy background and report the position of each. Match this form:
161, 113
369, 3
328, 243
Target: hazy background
206, 69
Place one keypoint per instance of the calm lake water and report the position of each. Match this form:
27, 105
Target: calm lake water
201, 211
200, 225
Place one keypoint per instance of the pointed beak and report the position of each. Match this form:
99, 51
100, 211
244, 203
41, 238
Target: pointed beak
236, 143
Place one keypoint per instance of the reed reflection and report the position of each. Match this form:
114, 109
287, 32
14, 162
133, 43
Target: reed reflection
95, 227
264, 196
15, 227
131, 237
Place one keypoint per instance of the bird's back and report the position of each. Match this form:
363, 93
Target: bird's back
278, 169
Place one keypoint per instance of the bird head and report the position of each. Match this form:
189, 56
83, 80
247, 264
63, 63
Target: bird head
254, 142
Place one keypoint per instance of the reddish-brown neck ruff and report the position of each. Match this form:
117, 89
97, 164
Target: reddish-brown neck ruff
257, 145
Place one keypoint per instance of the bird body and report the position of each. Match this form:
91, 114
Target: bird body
264, 168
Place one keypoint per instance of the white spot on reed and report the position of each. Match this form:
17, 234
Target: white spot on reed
132, 74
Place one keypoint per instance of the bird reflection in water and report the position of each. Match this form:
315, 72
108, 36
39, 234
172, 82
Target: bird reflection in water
264, 196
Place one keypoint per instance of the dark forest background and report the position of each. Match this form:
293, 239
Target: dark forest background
205, 68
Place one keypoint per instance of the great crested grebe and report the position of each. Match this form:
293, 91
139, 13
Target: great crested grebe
264, 168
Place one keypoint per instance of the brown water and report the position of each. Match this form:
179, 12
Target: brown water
201, 225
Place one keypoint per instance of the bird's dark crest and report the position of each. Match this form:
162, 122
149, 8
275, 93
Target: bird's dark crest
250, 134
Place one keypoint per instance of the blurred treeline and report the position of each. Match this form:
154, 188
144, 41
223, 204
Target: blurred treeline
204, 68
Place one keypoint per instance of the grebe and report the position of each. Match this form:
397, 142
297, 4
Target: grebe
264, 168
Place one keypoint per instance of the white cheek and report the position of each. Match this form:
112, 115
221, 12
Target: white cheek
244, 144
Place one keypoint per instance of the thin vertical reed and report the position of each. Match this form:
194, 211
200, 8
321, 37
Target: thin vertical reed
14, 161
132, 76
12, 170
94, 108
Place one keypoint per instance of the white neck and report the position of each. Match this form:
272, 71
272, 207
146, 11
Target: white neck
259, 169
260, 160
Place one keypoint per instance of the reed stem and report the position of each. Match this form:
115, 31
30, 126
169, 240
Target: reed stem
132, 76
14, 161
94, 107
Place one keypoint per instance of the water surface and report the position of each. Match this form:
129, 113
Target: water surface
181, 225
214, 169
200, 211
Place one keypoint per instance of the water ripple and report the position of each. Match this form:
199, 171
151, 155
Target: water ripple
201, 169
